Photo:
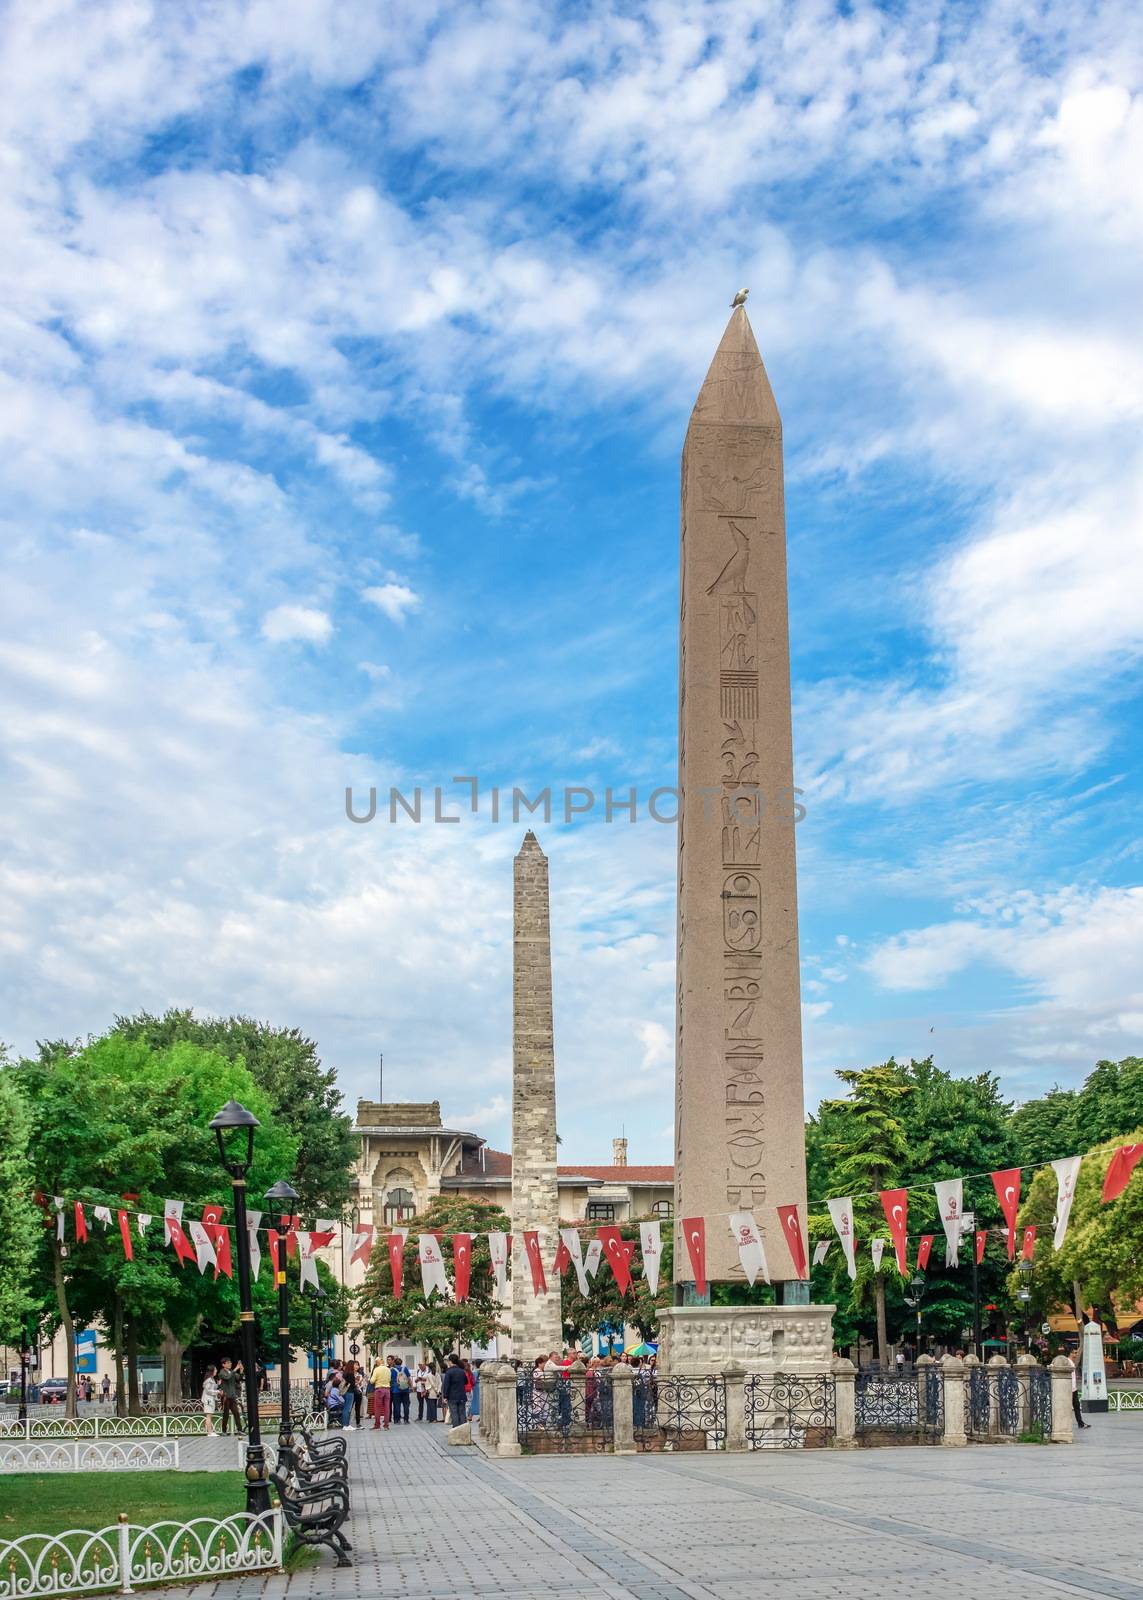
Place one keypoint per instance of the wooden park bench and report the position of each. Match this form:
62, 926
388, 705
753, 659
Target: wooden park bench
314, 1514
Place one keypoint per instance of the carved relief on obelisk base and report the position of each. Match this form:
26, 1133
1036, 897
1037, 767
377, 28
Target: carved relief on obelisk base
740, 1141
536, 1319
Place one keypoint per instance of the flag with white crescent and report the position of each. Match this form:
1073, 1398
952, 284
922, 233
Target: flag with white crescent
694, 1232
895, 1204
795, 1238
1007, 1186
461, 1265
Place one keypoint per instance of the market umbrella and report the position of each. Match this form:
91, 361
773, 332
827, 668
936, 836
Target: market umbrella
641, 1350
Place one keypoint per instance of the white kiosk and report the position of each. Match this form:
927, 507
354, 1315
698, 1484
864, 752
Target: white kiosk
1093, 1396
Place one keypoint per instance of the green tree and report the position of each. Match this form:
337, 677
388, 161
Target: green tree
302, 1094
867, 1150
117, 1123
1100, 1263
435, 1322
21, 1223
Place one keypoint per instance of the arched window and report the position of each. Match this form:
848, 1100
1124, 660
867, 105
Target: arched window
663, 1208
399, 1205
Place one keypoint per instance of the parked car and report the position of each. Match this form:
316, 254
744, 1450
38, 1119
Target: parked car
53, 1391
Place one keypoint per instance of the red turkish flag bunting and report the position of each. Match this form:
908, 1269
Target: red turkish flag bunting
981, 1241
292, 1237
895, 1204
1007, 1186
125, 1234
219, 1236
1028, 1248
184, 1250
924, 1249
1122, 1165
272, 1238
795, 1239
396, 1256
535, 1261
618, 1258
562, 1260
80, 1224
462, 1264
211, 1214
362, 1243
319, 1240
694, 1232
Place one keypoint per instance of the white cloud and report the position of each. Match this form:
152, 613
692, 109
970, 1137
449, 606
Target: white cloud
396, 600
296, 622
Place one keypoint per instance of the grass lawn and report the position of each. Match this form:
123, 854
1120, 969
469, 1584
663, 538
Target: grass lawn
52, 1502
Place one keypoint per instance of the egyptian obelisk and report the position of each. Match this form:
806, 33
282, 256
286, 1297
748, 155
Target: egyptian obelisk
739, 1119
536, 1319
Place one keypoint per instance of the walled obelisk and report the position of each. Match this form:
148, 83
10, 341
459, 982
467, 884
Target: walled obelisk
536, 1318
739, 1119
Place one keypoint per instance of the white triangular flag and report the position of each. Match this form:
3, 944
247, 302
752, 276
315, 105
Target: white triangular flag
253, 1218
498, 1251
750, 1249
651, 1244
203, 1248
842, 1213
102, 1214
171, 1208
950, 1203
307, 1264
570, 1239
59, 1205
1067, 1172
821, 1250
877, 1250
593, 1255
142, 1222
432, 1265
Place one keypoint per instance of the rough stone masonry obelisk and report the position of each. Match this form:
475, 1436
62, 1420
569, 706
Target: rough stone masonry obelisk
739, 1117
536, 1318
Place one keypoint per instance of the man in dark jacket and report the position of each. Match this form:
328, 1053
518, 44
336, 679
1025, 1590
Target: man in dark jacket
453, 1390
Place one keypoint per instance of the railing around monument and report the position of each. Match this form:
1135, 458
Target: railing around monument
900, 1405
676, 1413
563, 1413
789, 1411
1003, 1402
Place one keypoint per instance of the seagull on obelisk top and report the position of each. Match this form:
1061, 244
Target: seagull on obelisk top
739, 299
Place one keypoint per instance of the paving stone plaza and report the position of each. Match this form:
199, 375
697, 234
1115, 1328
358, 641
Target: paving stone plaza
434, 1523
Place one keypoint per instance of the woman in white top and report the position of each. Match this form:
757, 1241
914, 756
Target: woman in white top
420, 1384
209, 1401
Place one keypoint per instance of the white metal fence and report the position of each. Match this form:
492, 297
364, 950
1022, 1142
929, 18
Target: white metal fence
128, 1555
179, 1426
47, 1455
1125, 1400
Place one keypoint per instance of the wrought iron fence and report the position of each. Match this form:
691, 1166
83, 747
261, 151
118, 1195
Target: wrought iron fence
900, 1404
1040, 1401
560, 1413
79, 1561
788, 1411
676, 1413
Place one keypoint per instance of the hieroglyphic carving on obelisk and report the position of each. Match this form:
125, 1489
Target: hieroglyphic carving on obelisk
739, 1121
536, 1319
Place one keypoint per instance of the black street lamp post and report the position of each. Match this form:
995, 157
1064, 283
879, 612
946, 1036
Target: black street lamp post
317, 1339
234, 1126
283, 1198
24, 1357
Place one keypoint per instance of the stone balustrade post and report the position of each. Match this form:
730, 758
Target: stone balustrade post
1062, 1426
953, 1377
489, 1411
844, 1375
1025, 1366
921, 1371
734, 1387
507, 1431
622, 1409
996, 1364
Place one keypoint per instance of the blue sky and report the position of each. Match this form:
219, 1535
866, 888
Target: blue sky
346, 358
